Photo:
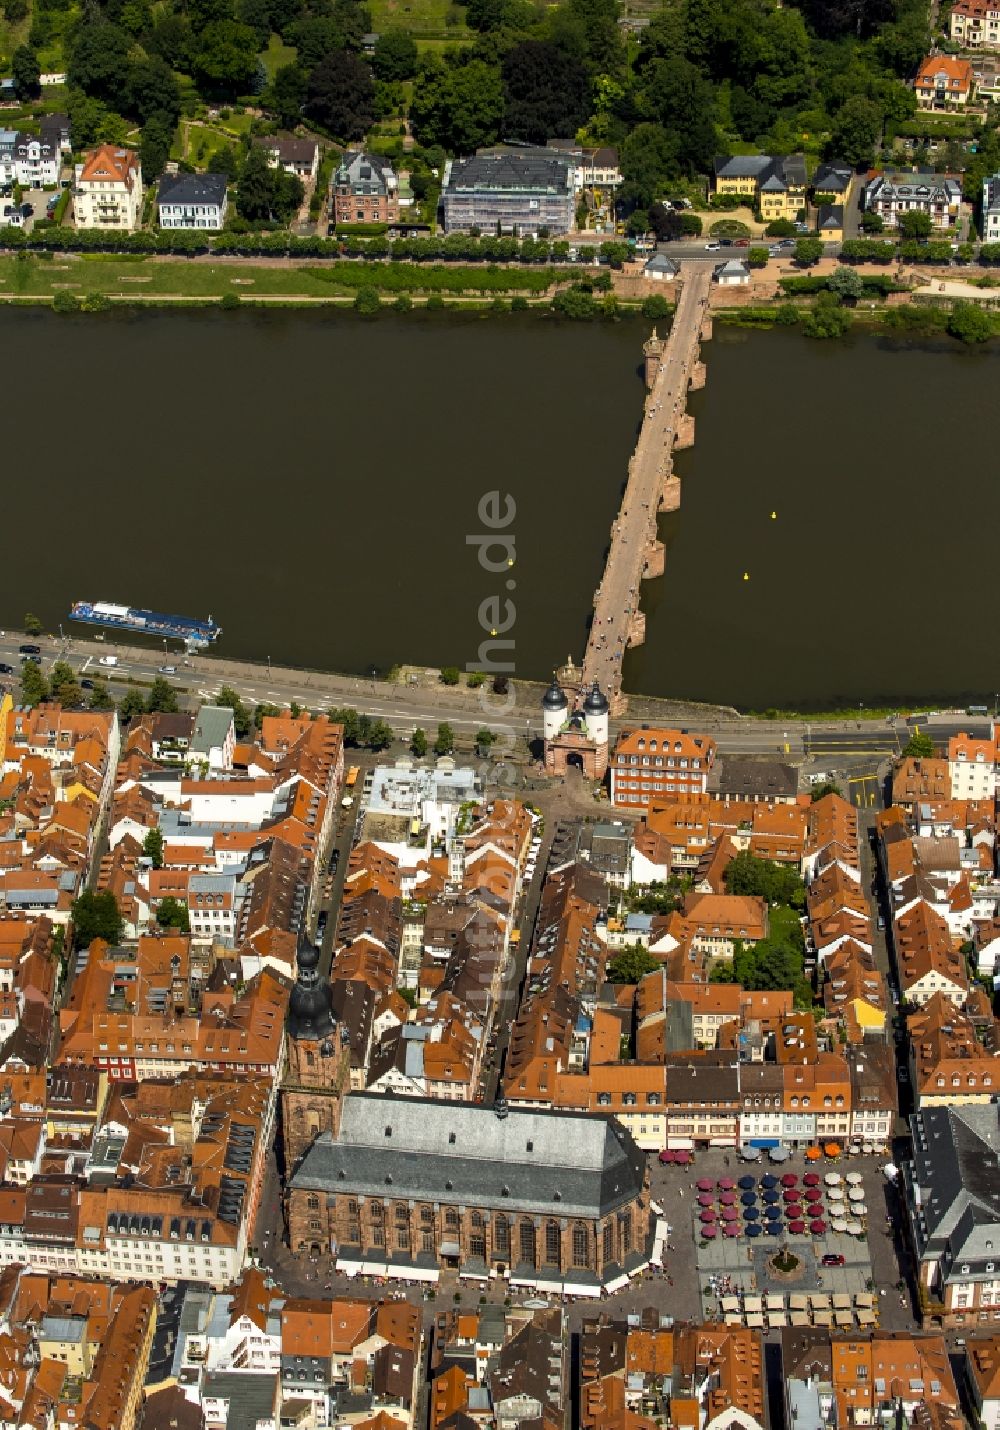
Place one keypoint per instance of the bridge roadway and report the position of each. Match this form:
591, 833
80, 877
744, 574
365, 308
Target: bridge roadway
635, 551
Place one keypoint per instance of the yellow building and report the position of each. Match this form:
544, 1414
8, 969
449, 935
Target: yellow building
774, 184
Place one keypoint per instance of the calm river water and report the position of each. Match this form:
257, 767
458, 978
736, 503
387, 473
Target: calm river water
311, 481
876, 580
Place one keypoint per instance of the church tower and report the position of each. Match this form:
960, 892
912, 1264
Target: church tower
317, 1070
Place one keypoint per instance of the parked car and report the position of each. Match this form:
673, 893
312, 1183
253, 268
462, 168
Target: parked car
833, 1258
741, 243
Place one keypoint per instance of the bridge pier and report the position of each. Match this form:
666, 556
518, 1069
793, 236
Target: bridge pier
684, 437
698, 375
655, 562
636, 629
670, 493
706, 327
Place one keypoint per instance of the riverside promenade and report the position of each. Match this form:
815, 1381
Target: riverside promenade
636, 553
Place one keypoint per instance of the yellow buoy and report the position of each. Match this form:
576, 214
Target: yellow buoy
493, 631
774, 516
746, 575
510, 560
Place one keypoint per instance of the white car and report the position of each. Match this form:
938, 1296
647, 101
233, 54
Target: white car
712, 247
108, 660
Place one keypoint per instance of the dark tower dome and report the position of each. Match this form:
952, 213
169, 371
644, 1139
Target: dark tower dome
596, 702
555, 697
309, 1012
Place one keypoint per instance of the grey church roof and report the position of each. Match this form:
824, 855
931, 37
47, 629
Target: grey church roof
524, 1161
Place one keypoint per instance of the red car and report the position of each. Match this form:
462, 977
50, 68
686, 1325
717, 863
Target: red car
833, 1258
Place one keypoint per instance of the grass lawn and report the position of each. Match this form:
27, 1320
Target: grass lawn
197, 142
114, 275
785, 925
420, 17
276, 55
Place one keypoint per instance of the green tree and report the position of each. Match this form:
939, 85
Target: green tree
485, 738
857, 130
132, 704
99, 62
351, 722
26, 71
631, 965
262, 710
757, 257
172, 914
152, 88
32, 625
648, 160
96, 915
367, 300
808, 251
846, 283
871, 222
450, 675
546, 91
395, 55
821, 791
340, 96
100, 697
919, 746
225, 57
64, 685
445, 742
374, 733
827, 318
34, 686
969, 323
162, 697
152, 846
228, 697
780, 228
154, 145
655, 306
776, 883
914, 224
418, 743
459, 108
287, 95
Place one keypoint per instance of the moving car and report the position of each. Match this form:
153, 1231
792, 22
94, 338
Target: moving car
712, 247
108, 660
29, 650
168, 670
6, 669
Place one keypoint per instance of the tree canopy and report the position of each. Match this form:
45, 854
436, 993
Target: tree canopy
96, 915
631, 964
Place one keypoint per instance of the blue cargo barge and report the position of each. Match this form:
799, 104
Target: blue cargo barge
134, 621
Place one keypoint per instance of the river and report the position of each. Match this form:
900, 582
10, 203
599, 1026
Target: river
310, 480
874, 582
